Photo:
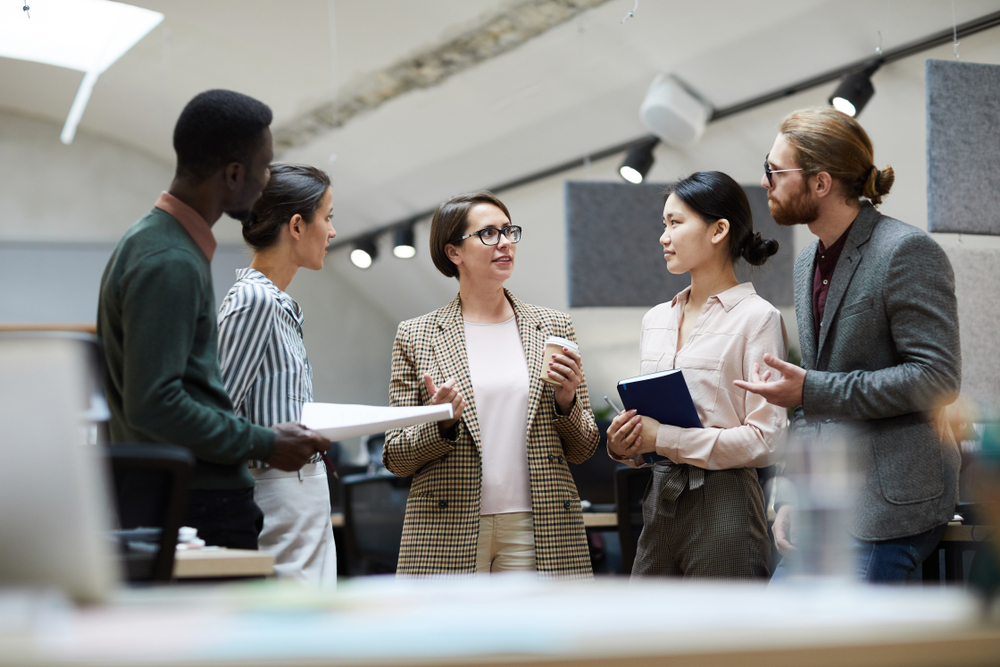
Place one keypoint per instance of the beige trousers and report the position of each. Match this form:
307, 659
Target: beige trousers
506, 543
297, 528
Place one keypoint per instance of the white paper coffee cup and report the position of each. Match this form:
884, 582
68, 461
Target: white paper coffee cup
555, 345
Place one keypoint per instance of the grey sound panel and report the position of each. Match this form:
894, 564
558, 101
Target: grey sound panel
977, 283
614, 257
963, 147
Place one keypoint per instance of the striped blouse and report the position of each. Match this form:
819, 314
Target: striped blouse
261, 354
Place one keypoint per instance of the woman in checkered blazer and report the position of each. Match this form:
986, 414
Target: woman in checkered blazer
491, 489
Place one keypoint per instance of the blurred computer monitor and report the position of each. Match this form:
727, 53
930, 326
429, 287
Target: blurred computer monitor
53, 495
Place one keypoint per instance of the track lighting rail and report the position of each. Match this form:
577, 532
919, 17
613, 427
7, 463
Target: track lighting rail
931, 41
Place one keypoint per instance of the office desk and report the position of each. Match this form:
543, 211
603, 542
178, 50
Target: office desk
522, 622
956, 532
222, 563
590, 519
960, 532
600, 520
957, 539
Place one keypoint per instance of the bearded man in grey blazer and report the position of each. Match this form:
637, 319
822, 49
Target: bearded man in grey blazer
878, 328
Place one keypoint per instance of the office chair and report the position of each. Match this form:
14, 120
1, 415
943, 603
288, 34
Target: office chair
630, 485
150, 489
374, 507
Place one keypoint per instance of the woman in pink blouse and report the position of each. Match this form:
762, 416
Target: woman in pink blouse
703, 511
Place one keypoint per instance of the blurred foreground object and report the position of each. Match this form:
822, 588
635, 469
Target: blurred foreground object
53, 497
985, 573
820, 468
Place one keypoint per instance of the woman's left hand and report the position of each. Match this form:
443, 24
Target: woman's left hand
566, 369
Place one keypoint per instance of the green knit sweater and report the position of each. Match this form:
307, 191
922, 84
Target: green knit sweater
157, 318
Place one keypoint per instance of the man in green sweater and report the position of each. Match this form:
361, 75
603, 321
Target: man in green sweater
157, 318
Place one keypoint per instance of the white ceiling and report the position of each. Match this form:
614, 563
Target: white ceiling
573, 90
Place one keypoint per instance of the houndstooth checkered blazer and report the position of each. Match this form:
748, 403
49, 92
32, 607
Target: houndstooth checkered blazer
442, 514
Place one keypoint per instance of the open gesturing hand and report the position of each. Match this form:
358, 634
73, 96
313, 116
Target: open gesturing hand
785, 392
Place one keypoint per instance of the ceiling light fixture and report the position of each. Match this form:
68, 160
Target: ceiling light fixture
854, 91
638, 161
403, 245
365, 252
84, 35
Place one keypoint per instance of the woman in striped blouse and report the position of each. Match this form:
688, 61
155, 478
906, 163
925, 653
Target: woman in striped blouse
264, 364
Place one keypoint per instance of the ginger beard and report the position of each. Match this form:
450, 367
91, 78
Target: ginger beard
798, 209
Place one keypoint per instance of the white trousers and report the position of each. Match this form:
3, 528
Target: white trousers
297, 527
506, 543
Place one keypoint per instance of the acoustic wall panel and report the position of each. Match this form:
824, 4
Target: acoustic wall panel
963, 147
614, 254
977, 283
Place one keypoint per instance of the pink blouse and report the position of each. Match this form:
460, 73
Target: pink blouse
733, 331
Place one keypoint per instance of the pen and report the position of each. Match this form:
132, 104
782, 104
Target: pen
613, 406
329, 465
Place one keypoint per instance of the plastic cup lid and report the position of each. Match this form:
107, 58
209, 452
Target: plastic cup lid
563, 342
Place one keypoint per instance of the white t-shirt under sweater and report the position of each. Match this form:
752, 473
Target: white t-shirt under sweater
500, 389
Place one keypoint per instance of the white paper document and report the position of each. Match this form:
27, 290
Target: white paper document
340, 420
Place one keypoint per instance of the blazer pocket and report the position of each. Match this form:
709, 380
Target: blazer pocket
909, 463
858, 307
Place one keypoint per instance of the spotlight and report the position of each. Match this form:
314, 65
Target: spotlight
854, 91
402, 244
638, 161
364, 253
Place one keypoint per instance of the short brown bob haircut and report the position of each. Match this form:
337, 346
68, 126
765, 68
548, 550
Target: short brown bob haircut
450, 222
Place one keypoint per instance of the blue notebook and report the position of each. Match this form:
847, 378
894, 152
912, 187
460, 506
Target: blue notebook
664, 396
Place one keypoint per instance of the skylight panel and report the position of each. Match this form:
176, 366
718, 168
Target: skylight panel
84, 35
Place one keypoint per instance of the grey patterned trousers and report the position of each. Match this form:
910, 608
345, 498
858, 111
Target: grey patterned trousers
703, 523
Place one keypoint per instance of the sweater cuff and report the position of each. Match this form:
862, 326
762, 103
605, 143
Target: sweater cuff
262, 443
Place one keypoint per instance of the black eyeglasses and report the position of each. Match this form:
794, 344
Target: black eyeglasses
768, 171
491, 235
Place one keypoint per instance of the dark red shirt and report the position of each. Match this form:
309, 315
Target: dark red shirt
826, 263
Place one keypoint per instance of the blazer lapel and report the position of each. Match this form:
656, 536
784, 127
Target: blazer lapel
452, 361
805, 267
848, 263
533, 337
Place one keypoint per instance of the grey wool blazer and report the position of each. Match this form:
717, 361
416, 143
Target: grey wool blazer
886, 359
441, 527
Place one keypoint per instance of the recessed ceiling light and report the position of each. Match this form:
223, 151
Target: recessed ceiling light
84, 35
